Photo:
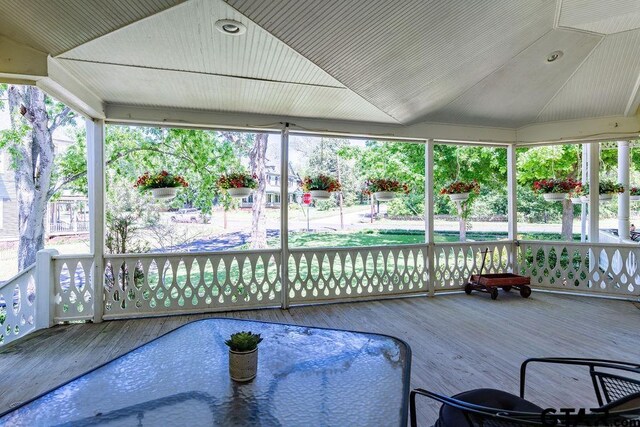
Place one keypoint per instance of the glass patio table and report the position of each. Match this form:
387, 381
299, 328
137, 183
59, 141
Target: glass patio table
306, 377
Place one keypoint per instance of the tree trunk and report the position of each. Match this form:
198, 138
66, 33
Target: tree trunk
462, 222
567, 220
257, 158
34, 162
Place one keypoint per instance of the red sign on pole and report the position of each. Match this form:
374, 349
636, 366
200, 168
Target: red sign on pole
306, 198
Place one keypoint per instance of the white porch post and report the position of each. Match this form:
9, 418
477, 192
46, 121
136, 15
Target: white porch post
583, 205
512, 189
594, 193
284, 215
623, 198
45, 288
428, 215
95, 175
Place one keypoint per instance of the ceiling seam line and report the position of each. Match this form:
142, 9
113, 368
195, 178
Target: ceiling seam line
555, 95
145, 67
492, 73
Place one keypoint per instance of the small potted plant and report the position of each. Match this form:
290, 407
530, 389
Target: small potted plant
385, 189
555, 190
243, 355
607, 188
634, 193
238, 185
320, 186
163, 185
459, 191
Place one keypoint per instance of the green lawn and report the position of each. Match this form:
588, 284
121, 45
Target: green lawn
395, 237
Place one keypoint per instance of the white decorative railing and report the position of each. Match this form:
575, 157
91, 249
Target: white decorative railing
455, 262
73, 287
158, 284
138, 285
18, 306
321, 274
605, 269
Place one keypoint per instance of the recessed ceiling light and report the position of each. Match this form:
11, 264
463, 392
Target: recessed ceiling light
230, 27
555, 55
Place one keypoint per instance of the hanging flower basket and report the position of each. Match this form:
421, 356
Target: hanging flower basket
164, 193
384, 196
555, 190
320, 186
320, 194
238, 185
554, 197
460, 191
163, 185
634, 194
384, 190
607, 188
459, 197
576, 200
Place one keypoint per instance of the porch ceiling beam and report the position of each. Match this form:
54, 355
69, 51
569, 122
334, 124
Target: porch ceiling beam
63, 86
19, 63
580, 130
196, 118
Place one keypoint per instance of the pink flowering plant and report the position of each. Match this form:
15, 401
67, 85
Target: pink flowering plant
373, 185
553, 185
320, 182
604, 187
162, 179
460, 187
238, 180
634, 191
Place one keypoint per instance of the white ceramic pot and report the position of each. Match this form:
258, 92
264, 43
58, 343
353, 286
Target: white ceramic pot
239, 192
243, 365
320, 194
459, 197
384, 196
554, 197
165, 193
634, 198
605, 197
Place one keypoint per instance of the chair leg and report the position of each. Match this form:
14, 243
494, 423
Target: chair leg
412, 409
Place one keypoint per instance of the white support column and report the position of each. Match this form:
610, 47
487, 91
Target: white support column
594, 193
585, 180
284, 215
428, 214
95, 175
623, 198
512, 190
45, 288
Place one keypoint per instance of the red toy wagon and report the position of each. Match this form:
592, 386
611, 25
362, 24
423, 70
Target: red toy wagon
491, 282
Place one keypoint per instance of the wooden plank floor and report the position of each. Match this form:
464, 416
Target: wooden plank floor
459, 342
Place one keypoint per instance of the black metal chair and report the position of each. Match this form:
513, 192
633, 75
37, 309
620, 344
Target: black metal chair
617, 393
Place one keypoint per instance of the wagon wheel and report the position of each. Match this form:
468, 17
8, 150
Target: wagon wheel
494, 293
506, 288
468, 288
525, 291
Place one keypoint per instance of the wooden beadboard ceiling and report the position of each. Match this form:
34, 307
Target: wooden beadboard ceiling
388, 61
55, 26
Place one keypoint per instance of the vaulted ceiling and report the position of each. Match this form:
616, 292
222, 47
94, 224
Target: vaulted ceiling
382, 61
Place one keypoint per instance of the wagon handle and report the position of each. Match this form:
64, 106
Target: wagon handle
484, 258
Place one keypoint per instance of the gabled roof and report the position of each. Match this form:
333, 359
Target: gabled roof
390, 62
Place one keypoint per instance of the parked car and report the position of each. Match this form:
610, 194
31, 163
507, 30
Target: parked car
192, 215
